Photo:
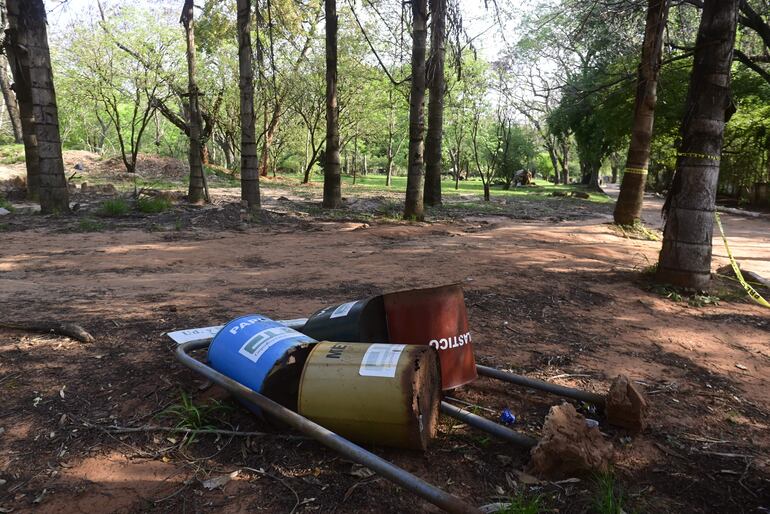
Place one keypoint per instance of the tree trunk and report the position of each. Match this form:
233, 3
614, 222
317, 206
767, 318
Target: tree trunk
332, 180
436, 86
27, 42
249, 161
486, 191
685, 259
391, 134
10, 103
413, 207
629, 206
267, 141
196, 192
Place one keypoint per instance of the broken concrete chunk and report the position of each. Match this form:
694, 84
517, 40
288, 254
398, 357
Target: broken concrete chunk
568, 447
626, 405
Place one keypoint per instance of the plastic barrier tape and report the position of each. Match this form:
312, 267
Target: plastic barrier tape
752, 292
637, 171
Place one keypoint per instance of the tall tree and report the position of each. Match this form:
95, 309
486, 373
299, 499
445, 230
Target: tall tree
332, 177
413, 207
27, 44
629, 206
197, 191
249, 160
685, 259
11, 105
436, 88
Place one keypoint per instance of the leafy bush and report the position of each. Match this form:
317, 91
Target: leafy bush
152, 205
114, 207
90, 225
11, 154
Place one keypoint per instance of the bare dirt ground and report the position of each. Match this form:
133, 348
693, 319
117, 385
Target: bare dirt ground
563, 301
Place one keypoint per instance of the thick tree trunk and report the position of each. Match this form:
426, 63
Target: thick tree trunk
249, 161
197, 191
332, 180
27, 43
629, 206
436, 87
10, 103
413, 207
685, 259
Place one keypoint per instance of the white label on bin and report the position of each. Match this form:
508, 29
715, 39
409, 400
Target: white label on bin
381, 360
342, 310
194, 334
261, 342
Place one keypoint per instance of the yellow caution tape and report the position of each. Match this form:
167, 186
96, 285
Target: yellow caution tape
637, 171
752, 292
699, 156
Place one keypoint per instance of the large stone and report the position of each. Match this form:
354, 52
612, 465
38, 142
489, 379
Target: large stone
626, 405
568, 447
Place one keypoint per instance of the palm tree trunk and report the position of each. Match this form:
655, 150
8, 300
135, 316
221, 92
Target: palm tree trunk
629, 206
413, 208
249, 160
28, 44
332, 180
197, 191
685, 259
436, 87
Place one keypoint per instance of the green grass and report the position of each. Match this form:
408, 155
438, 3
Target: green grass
153, 205
473, 186
188, 415
90, 225
11, 154
608, 497
523, 504
5, 204
114, 207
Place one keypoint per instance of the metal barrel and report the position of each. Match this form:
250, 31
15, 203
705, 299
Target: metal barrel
533, 383
263, 354
436, 317
326, 437
380, 394
356, 321
487, 426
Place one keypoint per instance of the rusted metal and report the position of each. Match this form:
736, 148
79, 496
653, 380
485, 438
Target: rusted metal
435, 317
347, 449
533, 383
379, 394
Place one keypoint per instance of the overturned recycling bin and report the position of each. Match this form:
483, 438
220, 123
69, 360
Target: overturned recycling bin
381, 394
433, 317
263, 355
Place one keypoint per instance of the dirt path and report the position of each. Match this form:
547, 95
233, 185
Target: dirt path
545, 299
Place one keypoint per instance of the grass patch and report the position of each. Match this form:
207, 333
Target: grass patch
523, 504
608, 497
114, 207
11, 154
189, 415
637, 231
5, 204
90, 225
153, 205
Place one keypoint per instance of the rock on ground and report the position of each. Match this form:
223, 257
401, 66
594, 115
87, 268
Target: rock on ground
626, 405
569, 447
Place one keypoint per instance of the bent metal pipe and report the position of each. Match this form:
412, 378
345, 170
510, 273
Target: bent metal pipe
399, 476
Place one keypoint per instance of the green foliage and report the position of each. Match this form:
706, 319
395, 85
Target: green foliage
153, 205
11, 154
608, 497
189, 415
90, 225
523, 504
114, 207
5, 204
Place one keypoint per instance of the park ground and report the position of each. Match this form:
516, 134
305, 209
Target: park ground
552, 289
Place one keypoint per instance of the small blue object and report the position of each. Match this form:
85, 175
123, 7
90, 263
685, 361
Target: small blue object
507, 417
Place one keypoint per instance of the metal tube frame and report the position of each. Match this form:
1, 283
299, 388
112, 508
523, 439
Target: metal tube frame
533, 383
350, 450
488, 426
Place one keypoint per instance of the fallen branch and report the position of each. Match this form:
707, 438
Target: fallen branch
70, 330
189, 431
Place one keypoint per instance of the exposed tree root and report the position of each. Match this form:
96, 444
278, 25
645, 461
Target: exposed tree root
64, 329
